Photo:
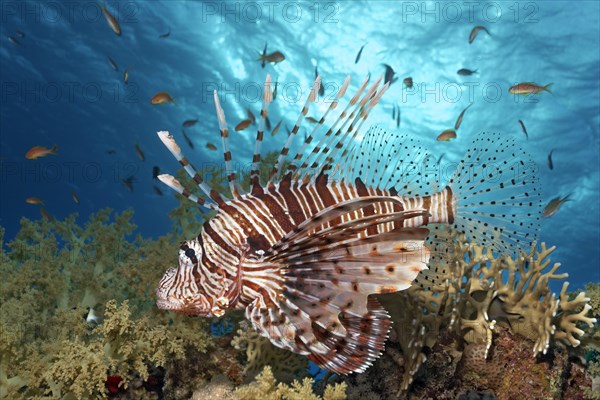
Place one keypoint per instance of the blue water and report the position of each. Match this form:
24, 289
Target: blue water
58, 88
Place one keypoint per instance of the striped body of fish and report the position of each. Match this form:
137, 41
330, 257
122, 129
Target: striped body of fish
344, 218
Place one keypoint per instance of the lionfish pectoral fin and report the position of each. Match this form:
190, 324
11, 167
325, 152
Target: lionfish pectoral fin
348, 344
329, 269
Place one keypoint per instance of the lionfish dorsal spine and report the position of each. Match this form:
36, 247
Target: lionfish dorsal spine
264, 114
350, 128
308, 140
169, 142
285, 150
236, 191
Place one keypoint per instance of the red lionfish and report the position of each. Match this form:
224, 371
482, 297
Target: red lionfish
303, 253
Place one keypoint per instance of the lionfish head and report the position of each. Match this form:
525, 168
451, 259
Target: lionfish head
178, 290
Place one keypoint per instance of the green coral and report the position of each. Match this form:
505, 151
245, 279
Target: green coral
56, 275
266, 387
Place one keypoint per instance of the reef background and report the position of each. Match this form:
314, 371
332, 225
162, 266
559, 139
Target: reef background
77, 311
58, 88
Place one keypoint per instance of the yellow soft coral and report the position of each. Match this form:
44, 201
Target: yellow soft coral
265, 387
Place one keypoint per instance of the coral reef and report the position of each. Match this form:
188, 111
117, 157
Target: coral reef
78, 307
460, 316
266, 387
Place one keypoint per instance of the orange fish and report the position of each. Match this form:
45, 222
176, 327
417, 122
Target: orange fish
211, 146
162, 98
527, 88
475, 31
446, 135
112, 21
45, 214
275, 57
243, 125
460, 117
276, 129
34, 200
39, 151
251, 116
553, 206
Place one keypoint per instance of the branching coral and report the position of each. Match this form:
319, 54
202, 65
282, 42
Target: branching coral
266, 387
473, 291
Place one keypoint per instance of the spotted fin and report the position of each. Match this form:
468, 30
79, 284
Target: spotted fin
343, 344
328, 272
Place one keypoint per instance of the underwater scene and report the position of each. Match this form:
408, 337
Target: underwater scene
299, 199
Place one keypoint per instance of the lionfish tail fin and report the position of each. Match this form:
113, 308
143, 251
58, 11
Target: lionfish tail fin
496, 195
174, 184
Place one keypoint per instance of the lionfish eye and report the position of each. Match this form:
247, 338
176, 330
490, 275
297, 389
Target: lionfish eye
190, 253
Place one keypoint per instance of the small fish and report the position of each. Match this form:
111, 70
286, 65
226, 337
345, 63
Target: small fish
321, 86
389, 75
14, 40
523, 128
75, 197
251, 116
398, 116
128, 182
162, 98
243, 125
275, 91
263, 57
211, 146
139, 152
394, 112
45, 214
126, 76
475, 31
408, 82
312, 120
34, 200
155, 172
20, 34
111, 152
550, 164
165, 35
554, 205
275, 57
446, 135
112, 21
189, 122
460, 117
527, 88
113, 64
359, 54
440, 159
268, 123
276, 129
39, 151
157, 190
187, 139
465, 72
